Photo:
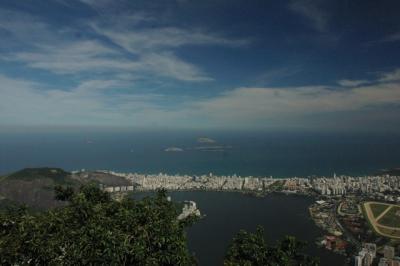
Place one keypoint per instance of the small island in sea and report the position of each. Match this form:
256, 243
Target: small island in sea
212, 148
173, 149
206, 140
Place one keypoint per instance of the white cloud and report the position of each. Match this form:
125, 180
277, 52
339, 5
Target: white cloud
168, 65
96, 102
74, 58
102, 7
356, 106
391, 76
144, 52
26, 103
310, 10
161, 38
24, 28
298, 101
394, 37
351, 83
96, 3
92, 57
120, 53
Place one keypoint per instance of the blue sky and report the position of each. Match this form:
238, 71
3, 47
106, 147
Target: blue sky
286, 65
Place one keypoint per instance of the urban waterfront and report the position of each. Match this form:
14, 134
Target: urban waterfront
227, 212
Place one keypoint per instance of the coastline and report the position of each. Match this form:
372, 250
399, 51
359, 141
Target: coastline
342, 232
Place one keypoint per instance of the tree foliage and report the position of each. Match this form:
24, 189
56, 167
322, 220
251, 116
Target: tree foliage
251, 249
94, 229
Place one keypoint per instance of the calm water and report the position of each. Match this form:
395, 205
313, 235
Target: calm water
227, 213
257, 154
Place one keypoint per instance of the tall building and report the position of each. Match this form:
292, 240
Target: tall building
388, 252
371, 248
388, 262
358, 260
366, 255
368, 259
384, 262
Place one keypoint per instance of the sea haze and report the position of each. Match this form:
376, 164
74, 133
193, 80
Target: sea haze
245, 153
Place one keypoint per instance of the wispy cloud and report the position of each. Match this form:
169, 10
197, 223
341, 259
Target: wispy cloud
25, 102
391, 38
394, 37
162, 38
168, 65
113, 49
25, 29
74, 58
263, 107
311, 10
390, 76
352, 83
90, 103
99, 60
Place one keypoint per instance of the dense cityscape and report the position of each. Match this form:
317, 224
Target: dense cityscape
340, 208
383, 187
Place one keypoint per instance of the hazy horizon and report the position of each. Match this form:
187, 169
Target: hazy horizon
297, 65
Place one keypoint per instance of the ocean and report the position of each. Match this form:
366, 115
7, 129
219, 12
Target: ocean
242, 153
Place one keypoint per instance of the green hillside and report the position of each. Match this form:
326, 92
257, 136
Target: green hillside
58, 175
34, 186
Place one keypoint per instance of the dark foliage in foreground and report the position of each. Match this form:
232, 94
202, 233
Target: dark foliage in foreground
251, 249
94, 229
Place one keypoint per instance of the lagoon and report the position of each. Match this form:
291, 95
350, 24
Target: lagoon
228, 212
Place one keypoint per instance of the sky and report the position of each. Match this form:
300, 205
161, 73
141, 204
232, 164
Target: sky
212, 64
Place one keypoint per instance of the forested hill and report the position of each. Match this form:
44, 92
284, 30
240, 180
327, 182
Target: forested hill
34, 186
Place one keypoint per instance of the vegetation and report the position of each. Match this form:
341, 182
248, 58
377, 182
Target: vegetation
391, 218
277, 185
393, 233
377, 208
93, 229
6, 204
56, 174
35, 186
251, 249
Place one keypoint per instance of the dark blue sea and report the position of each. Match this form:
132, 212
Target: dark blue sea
277, 154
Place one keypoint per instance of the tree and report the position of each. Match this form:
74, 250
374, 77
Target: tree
94, 229
250, 249
63, 194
